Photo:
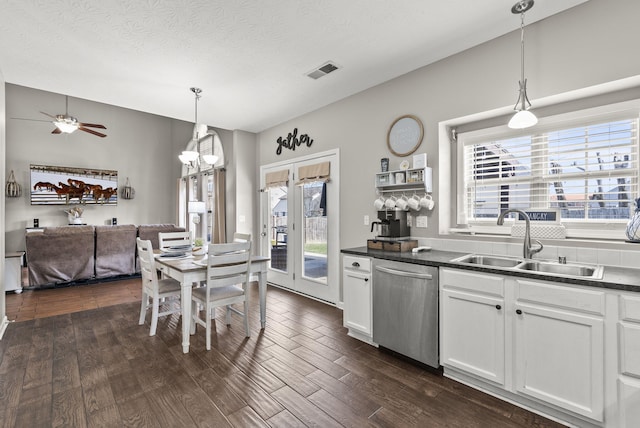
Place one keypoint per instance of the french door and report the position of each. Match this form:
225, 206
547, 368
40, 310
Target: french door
300, 228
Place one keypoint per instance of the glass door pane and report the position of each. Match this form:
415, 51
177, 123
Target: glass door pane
277, 227
314, 231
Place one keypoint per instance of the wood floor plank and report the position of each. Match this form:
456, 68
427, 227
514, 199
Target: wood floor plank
303, 409
137, 413
246, 417
285, 419
291, 377
68, 409
258, 399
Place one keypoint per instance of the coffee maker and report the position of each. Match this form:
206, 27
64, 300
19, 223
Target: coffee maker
392, 224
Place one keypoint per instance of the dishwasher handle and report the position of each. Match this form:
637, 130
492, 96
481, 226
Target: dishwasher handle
404, 273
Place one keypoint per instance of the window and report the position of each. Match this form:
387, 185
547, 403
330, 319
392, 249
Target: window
588, 171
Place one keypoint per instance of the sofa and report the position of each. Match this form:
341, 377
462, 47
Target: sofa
65, 254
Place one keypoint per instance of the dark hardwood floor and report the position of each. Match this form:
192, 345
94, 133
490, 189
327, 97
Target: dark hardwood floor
98, 367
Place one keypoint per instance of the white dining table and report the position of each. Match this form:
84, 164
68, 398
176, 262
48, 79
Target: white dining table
187, 272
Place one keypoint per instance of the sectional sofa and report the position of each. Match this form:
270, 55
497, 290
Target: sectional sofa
64, 254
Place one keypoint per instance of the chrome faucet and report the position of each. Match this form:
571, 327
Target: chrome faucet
527, 251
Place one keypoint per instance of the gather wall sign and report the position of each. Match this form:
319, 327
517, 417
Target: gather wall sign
292, 141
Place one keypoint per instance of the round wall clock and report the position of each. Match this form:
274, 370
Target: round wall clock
405, 135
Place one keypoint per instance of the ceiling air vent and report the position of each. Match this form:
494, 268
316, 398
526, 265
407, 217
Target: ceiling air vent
323, 70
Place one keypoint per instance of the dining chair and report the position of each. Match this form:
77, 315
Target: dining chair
228, 273
155, 289
174, 239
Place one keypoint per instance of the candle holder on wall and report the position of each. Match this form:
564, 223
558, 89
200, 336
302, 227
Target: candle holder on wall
13, 188
128, 192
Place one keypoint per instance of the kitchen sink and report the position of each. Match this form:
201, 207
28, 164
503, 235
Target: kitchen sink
483, 260
575, 270
583, 271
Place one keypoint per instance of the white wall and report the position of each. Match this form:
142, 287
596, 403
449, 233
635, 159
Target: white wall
2, 203
138, 145
587, 45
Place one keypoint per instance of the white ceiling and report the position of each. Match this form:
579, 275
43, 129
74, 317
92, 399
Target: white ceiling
249, 57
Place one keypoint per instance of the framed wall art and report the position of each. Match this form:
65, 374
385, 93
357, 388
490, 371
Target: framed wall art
60, 185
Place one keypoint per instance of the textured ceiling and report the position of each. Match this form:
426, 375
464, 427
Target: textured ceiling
250, 57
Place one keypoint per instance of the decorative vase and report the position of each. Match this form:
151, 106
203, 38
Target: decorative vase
633, 227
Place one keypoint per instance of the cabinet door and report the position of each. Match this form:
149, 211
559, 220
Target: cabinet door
472, 331
559, 358
357, 301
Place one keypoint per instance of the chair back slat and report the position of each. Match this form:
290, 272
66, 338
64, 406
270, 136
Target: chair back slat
170, 239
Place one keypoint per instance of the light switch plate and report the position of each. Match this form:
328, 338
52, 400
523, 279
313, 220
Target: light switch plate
421, 221
366, 220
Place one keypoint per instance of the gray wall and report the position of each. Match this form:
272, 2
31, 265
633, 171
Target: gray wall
138, 145
587, 45
2, 201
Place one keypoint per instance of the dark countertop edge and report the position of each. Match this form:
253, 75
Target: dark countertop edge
615, 277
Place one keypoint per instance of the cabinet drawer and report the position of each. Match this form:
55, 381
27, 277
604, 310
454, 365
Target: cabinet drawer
360, 264
482, 283
630, 308
162, 268
558, 296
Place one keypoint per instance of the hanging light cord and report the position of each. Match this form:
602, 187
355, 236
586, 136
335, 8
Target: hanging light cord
523, 99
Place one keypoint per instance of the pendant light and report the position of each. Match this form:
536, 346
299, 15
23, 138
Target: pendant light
523, 118
191, 158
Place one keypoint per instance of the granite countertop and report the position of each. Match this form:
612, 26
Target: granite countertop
616, 278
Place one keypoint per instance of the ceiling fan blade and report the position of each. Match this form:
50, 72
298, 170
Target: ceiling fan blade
30, 120
47, 114
56, 131
92, 125
91, 131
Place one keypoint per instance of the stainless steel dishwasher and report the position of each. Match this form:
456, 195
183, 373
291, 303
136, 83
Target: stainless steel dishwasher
405, 309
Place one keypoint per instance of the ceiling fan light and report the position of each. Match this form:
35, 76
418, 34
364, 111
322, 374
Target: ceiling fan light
523, 119
66, 127
210, 159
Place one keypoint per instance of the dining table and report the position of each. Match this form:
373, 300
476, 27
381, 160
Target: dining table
192, 270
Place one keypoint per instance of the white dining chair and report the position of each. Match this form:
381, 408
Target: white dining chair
228, 272
174, 239
155, 289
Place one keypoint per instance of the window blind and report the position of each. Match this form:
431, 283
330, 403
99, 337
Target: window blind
588, 172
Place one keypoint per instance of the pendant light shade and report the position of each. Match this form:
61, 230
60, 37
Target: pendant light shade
523, 118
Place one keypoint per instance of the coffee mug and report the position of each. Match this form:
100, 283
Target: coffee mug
379, 203
427, 202
414, 203
390, 202
402, 203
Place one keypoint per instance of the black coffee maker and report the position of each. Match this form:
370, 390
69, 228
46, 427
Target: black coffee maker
392, 224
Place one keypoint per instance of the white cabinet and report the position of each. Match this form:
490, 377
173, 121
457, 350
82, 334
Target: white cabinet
559, 346
628, 381
357, 297
534, 342
13, 263
473, 324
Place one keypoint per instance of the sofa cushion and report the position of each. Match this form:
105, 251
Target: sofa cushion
60, 254
115, 250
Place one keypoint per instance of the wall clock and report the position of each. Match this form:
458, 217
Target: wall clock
405, 135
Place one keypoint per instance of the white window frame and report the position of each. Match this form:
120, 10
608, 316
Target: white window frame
607, 229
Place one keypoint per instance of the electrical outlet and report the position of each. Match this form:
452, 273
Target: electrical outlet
366, 220
421, 221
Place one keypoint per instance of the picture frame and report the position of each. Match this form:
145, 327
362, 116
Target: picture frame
60, 185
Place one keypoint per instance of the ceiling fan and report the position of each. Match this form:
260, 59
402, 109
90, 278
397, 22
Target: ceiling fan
66, 124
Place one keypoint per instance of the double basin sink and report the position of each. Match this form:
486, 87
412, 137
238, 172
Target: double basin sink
543, 267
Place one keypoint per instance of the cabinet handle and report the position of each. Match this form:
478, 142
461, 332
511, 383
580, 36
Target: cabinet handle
355, 264
498, 307
518, 311
366, 280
